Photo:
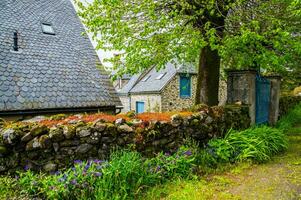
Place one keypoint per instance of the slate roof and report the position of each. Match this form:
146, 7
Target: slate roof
49, 71
127, 88
154, 85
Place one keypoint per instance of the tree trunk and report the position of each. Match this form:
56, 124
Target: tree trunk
208, 77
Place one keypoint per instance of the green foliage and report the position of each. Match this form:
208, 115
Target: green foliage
289, 120
247, 34
8, 186
262, 35
58, 117
125, 176
180, 164
287, 103
256, 144
74, 183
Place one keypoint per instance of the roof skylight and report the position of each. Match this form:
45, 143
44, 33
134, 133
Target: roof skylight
146, 78
47, 29
160, 76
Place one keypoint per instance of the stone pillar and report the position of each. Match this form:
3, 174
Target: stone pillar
241, 88
274, 99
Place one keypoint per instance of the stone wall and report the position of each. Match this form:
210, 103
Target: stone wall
222, 92
125, 101
152, 102
171, 99
41, 147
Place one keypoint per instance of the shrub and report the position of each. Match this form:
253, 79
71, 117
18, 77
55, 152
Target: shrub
286, 103
290, 119
257, 144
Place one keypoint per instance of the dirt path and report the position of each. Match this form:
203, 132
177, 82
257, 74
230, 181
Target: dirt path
278, 179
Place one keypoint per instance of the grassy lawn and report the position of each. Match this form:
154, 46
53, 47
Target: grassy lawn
279, 178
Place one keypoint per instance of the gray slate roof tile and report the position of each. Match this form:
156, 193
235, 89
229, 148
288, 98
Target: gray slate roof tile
155, 85
50, 71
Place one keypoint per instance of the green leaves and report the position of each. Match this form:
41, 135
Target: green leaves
256, 144
262, 37
152, 32
248, 34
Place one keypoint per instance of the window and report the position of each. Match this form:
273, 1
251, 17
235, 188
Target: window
160, 76
146, 78
47, 29
185, 86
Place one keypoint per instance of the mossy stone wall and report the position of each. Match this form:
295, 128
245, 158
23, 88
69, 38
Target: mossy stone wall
38, 147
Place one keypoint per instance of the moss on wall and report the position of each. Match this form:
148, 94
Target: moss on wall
38, 146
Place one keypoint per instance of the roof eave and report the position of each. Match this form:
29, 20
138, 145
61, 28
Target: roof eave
57, 110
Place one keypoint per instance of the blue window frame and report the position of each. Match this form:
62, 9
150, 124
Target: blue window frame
185, 86
139, 107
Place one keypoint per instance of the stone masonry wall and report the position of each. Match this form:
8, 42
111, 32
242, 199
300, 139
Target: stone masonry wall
41, 147
125, 101
171, 99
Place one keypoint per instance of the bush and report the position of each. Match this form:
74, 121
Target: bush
257, 144
286, 103
290, 119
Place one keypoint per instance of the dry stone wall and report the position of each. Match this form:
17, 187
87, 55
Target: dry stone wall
39, 147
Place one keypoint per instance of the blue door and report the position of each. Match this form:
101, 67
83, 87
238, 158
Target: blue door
262, 99
139, 107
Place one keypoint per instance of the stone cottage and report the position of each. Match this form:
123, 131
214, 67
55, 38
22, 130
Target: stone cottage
169, 89
46, 64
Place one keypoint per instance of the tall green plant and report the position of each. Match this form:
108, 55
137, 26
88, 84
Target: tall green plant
256, 144
287, 121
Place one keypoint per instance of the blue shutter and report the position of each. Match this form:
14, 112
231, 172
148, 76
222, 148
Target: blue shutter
185, 86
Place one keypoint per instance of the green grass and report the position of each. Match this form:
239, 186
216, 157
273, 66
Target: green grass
279, 178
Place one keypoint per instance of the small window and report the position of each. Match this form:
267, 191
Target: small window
47, 29
185, 86
160, 76
146, 78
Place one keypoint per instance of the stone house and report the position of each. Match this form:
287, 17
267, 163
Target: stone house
169, 89
46, 64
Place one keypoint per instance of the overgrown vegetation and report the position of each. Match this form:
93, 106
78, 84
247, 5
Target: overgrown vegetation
256, 144
293, 116
126, 175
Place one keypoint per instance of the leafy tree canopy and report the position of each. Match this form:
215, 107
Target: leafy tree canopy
247, 34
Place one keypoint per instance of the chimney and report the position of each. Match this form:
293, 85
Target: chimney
16, 48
